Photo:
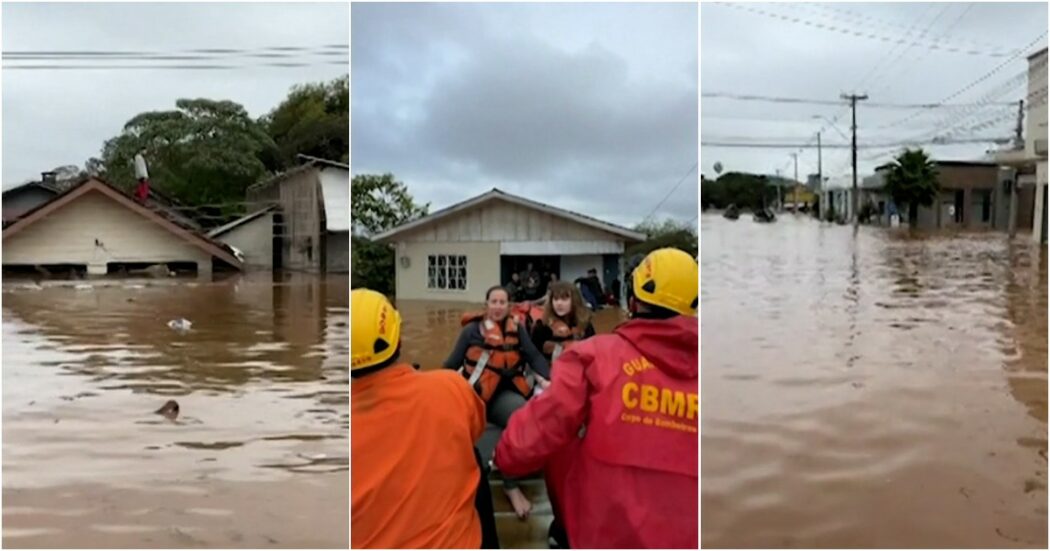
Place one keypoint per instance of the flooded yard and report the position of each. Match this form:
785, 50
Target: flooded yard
871, 389
258, 456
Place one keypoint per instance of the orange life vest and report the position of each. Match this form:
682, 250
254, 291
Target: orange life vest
562, 337
499, 357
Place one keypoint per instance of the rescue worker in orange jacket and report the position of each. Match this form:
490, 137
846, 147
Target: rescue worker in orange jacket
631, 479
492, 352
414, 469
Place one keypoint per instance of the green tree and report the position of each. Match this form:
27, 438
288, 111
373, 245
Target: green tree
668, 233
203, 153
744, 190
313, 120
912, 180
377, 203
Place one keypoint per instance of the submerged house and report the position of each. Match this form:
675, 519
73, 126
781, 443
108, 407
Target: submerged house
456, 253
95, 228
311, 223
968, 198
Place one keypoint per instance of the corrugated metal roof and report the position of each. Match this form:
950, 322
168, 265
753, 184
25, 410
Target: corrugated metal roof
335, 189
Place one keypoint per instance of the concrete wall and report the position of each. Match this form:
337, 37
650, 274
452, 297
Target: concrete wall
483, 264
69, 235
17, 203
1035, 123
300, 201
255, 240
1039, 212
337, 252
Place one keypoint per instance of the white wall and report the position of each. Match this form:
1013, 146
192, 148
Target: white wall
68, 236
483, 263
576, 266
254, 239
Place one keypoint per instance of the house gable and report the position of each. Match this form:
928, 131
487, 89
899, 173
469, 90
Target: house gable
96, 186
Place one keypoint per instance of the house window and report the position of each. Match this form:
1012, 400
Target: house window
447, 272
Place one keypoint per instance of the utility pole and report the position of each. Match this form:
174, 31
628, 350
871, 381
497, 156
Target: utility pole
1019, 130
780, 197
794, 187
820, 179
853, 98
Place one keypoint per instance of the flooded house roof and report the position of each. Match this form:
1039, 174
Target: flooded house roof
334, 186
499, 195
240, 222
153, 212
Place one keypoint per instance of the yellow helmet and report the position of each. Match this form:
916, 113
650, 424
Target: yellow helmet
668, 278
375, 329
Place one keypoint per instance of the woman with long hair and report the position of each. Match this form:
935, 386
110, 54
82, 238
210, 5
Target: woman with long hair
492, 352
566, 319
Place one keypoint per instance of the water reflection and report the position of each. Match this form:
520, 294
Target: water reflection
261, 379
871, 388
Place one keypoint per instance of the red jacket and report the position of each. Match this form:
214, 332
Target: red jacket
632, 480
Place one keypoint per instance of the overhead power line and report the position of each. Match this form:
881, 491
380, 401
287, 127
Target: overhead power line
812, 101
869, 35
770, 145
658, 205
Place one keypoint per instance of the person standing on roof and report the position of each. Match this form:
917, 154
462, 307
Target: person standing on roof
142, 175
629, 480
415, 472
491, 353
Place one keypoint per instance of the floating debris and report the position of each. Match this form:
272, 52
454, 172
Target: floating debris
181, 324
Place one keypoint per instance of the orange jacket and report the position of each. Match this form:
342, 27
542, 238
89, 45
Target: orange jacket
413, 471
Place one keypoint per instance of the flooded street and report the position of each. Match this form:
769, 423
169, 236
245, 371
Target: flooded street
429, 331
258, 456
871, 389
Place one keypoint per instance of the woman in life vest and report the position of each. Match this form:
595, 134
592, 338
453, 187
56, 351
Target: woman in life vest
492, 353
565, 321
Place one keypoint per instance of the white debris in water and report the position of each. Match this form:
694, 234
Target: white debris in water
313, 456
181, 324
83, 287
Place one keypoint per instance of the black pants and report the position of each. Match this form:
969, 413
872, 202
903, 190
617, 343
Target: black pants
483, 503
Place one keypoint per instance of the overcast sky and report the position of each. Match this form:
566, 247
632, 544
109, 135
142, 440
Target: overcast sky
816, 55
589, 107
57, 117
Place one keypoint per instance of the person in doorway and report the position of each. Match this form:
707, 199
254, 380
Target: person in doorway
528, 272
492, 353
591, 287
514, 288
396, 500
628, 478
532, 288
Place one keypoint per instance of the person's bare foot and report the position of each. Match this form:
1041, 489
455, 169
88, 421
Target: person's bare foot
521, 504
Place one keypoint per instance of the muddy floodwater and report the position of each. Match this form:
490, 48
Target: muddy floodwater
871, 389
258, 456
429, 330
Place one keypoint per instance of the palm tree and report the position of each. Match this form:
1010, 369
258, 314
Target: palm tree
912, 181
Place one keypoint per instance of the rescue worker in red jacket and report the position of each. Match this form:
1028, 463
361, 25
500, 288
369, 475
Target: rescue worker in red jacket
492, 352
416, 477
629, 480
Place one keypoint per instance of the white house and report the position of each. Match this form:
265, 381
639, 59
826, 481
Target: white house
457, 253
95, 228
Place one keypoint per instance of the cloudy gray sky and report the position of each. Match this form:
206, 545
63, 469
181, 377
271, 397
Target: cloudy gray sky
813, 51
55, 117
589, 107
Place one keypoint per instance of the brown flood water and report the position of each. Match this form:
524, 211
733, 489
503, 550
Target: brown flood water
429, 331
259, 454
871, 390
